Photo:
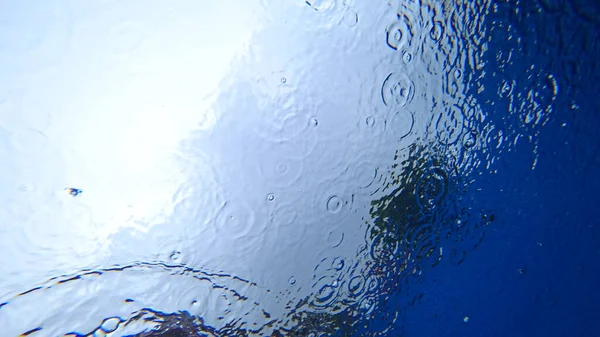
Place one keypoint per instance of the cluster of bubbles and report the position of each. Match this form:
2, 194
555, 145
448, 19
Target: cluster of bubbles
446, 123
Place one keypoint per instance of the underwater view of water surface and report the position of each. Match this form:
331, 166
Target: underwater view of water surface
295, 168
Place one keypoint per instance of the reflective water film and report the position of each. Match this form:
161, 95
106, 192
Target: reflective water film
260, 168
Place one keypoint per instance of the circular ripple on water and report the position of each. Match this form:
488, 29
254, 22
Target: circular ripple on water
424, 241
540, 93
366, 178
289, 115
401, 124
237, 224
328, 282
384, 248
334, 201
403, 31
397, 90
398, 34
290, 231
432, 188
436, 31
469, 140
356, 286
350, 18
195, 204
279, 164
326, 292
113, 297
448, 125
334, 237
372, 123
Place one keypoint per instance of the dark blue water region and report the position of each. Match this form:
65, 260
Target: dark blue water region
537, 273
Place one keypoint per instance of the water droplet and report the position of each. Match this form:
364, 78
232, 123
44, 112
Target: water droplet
334, 204
277, 165
236, 225
466, 319
175, 256
367, 304
270, 196
399, 34
283, 80
437, 31
338, 263
407, 57
292, 281
281, 167
313, 122
373, 126
470, 139
370, 121
397, 90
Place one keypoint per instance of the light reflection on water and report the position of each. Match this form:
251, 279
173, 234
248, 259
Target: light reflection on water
245, 168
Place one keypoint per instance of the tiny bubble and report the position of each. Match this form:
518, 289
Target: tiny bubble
466, 319
283, 80
270, 196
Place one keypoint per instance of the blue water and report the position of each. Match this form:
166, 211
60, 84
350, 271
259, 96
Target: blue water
482, 224
538, 270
